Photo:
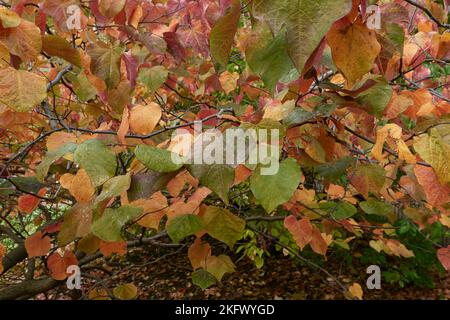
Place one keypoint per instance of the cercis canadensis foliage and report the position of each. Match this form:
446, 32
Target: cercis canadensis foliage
97, 96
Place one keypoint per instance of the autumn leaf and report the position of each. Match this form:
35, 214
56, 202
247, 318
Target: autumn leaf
443, 255
37, 245
126, 291
437, 193
153, 77
111, 8
393, 132
105, 64
301, 230
368, 178
23, 41
198, 254
59, 47
144, 118
436, 151
76, 224
79, 186
109, 248
58, 264
305, 23
223, 32
21, 90
9, 18
354, 48
28, 202
355, 291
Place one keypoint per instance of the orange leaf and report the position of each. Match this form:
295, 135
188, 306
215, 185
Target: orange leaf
124, 127
198, 254
241, 174
443, 255
37, 245
79, 185
23, 41
318, 243
437, 194
354, 48
143, 119
2, 254
108, 248
301, 230
153, 210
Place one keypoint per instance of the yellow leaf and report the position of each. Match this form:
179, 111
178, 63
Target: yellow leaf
279, 111
9, 18
21, 90
356, 291
126, 291
393, 131
436, 151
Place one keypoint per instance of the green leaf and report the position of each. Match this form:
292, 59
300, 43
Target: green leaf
305, 22
223, 32
153, 77
6, 188
267, 56
108, 227
143, 185
338, 210
182, 226
105, 64
298, 116
273, 190
27, 184
98, 161
157, 159
333, 171
203, 279
52, 156
375, 99
373, 206
220, 265
217, 177
84, 90
114, 187
222, 225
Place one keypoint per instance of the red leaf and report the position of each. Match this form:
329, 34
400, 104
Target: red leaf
28, 203
58, 265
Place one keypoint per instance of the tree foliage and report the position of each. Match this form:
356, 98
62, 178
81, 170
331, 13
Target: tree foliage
93, 97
